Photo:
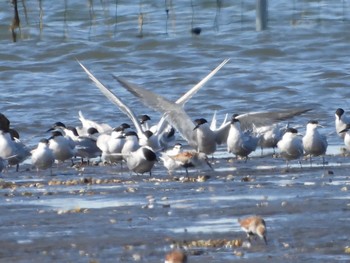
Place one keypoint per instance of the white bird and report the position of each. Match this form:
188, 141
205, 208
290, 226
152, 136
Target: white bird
86, 124
269, 136
12, 149
186, 125
178, 118
42, 156
112, 144
131, 144
142, 160
144, 122
86, 145
314, 143
341, 120
200, 136
290, 146
346, 132
238, 142
63, 147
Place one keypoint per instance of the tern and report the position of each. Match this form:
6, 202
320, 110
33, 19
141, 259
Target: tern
291, 146
12, 149
112, 144
186, 121
42, 156
314, 143
269, 136
86, 124
199, 135
238, 142
341, 120
346, 133
131, 144
63, 147
142, 160
86, 145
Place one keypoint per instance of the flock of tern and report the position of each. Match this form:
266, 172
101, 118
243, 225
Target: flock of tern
141, 148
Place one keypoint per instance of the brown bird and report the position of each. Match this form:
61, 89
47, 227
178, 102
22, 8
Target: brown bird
176, 256
254, 226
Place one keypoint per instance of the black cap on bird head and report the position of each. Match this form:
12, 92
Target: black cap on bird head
199, 122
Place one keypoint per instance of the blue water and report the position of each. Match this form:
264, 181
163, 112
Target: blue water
301, 60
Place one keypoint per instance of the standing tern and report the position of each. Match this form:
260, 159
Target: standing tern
238, 142
291, 146
131, 144
346, 132
86, 124
142, 160
269, 136
42, 156
315, 144
112, 144
341, 120
63, 147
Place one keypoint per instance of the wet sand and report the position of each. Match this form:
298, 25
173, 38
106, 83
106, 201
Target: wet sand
104, 214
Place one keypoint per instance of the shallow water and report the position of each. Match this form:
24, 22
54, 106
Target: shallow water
302, 60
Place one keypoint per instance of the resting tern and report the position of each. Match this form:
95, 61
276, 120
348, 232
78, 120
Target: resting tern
63, 147
42, 156
238, 142
341, 120
291, 146
112, 144
269, 136
142, 160
346, 132
86, 124
12, 149
314, 143
131, 144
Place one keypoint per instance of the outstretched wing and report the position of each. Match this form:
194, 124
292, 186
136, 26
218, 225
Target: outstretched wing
114, 99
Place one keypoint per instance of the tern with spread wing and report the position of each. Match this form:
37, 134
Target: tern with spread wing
200, 136
185, 126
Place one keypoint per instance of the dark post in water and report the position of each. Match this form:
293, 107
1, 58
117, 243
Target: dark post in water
261, 15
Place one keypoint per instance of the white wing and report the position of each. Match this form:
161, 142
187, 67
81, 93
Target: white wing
194, 90
114, 99
173, 112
